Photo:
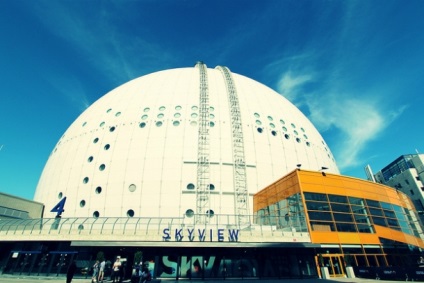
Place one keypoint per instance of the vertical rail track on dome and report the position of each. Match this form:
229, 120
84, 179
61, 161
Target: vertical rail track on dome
241, 198
203, 166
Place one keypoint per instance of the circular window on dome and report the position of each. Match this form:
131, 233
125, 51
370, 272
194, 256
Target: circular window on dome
189, 213
211, 187
284, 129
190, 186
83, 124
211, 116
160, 115
260, 130
282, 121
211, 124
210, 213
102, 124
96, 214
130, 213
102, 167
60, 195
274, 133
98, 190
257, 115
211, 108
90, 159
178, 107
159, 123
258, 122
112, 129
287, 136
107, 147
132, 188
95, 140
305, 136
82, 203
308, 144
302, 129
293, 125
110, 109
80, 227
272, 125
193, 123
144, 117
142, 125
298, 140
177, 115
85, 180
295, 132
176, 123
118, 114
270, 118
194, 115
194, 108
147, 109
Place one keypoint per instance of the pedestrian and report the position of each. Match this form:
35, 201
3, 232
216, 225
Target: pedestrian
96, 266
71, 271
116, 269
145, 275
102, 271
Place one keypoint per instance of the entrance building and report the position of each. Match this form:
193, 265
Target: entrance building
354, 222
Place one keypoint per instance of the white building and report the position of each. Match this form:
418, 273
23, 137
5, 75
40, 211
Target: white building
406, 174
180, 142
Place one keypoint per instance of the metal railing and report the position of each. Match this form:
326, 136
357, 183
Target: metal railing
140, 229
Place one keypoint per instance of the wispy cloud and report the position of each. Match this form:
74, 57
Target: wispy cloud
117, 54
290, 84
356, 119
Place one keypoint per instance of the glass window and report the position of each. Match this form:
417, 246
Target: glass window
379, 221
389, 213
315, 196
311, 205
386, 205
392, 222
177, 115
358, 209
373, 203
357, 201
343, 217
361, 218
345, 227
375, 211
337, 198
363, 228
314, 215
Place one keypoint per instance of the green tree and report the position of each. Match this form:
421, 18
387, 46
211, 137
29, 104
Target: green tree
100, 256
138, 255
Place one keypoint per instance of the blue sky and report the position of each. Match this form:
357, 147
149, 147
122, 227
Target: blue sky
355, 68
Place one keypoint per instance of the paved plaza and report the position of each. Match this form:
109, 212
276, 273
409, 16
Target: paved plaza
33, 279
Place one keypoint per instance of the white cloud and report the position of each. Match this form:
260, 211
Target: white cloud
359, 121
290, 83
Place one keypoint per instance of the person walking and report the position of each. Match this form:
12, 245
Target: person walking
96, 266
116, 269
102, 271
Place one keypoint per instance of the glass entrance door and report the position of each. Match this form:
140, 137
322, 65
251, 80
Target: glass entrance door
335, 265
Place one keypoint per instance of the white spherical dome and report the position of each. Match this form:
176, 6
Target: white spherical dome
178, 142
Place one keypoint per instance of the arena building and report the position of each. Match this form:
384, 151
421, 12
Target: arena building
173, 164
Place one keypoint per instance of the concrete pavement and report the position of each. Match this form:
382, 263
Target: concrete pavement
36, 279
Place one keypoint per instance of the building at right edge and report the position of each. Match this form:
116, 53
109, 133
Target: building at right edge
353, 221
405, 174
